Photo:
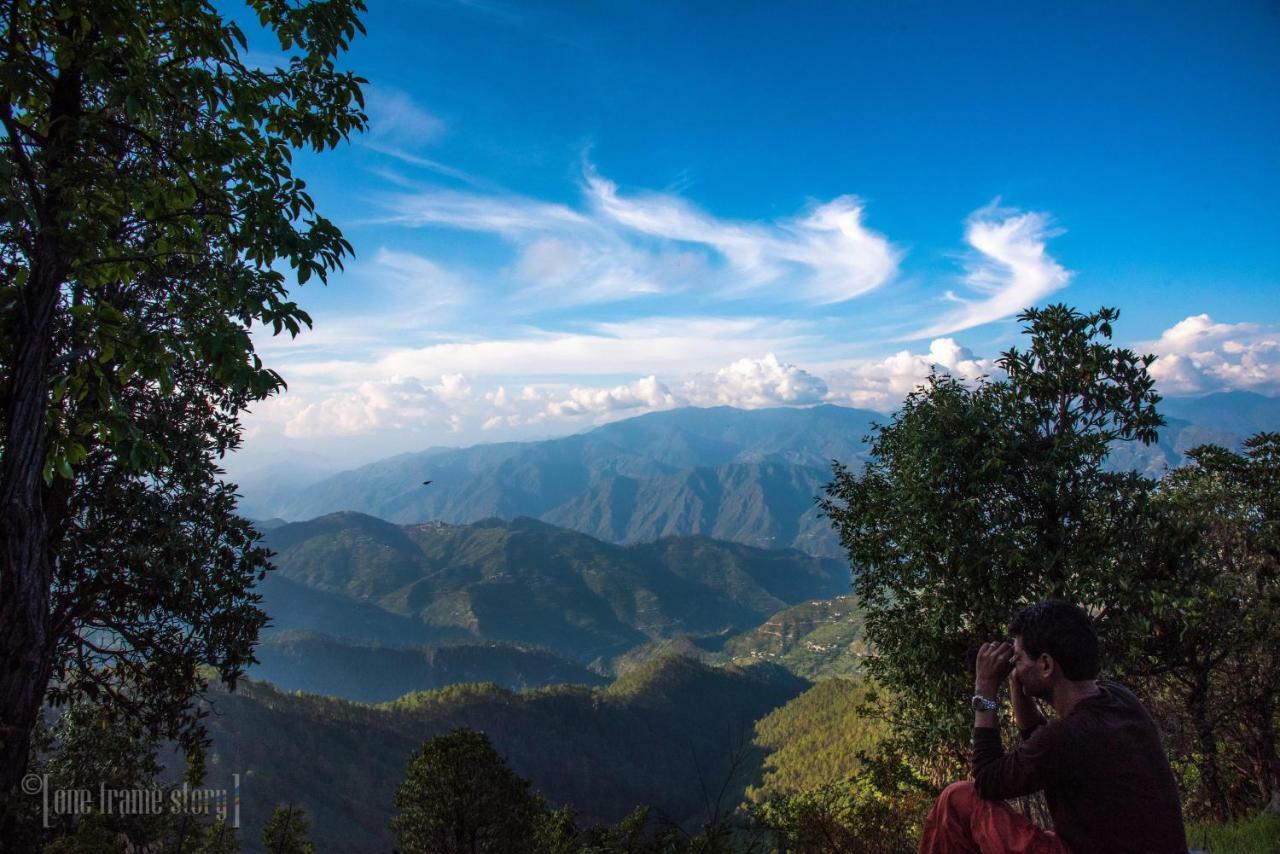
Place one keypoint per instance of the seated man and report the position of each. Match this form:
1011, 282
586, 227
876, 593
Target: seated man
1100, 762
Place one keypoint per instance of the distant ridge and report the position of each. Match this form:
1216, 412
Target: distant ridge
526, 582
747, 476
1241, 413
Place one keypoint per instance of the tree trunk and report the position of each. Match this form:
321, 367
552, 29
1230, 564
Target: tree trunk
26, 571
27, 543
1265, 753
26, 556
1207, 743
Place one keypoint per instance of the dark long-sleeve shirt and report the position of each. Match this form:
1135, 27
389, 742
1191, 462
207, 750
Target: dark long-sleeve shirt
1103, 771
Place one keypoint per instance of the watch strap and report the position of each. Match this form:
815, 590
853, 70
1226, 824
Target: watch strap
984, 704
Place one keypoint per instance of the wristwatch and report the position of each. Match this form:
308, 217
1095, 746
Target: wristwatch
984, 704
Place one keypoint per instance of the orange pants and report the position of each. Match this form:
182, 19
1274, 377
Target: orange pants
963, 823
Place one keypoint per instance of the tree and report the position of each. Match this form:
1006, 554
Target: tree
850, 816
92, 835
286, 832
88, 747
460, 796
149, 206
979, 500
1204, 623
557, 832
219, 838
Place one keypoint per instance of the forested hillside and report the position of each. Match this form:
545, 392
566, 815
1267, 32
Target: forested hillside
818, 639
527, 582
815, 739
814, 639
645, 739
371, 672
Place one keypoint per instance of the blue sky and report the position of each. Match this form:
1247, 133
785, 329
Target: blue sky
570, 213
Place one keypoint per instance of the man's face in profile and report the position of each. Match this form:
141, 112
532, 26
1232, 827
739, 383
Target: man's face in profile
1033, 684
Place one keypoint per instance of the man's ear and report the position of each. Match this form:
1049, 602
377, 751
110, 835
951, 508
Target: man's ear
1047, 666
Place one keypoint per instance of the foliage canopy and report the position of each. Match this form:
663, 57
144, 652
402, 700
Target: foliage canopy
149, 211
1206, 623
459, 796
979, 500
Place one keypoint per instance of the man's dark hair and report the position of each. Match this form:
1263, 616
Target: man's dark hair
1064, 631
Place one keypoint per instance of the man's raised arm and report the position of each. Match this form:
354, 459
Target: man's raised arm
1026, 714
997, 774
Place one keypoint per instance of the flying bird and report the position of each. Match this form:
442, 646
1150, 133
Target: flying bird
425, 482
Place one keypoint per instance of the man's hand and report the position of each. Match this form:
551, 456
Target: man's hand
993, 667
1025, 712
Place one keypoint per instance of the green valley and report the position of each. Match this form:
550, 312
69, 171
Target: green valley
526, 582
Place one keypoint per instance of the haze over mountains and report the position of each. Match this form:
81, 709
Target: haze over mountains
746, 476
368, 610
522, 582
375, 673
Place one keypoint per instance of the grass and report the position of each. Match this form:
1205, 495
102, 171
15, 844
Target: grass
1260, 835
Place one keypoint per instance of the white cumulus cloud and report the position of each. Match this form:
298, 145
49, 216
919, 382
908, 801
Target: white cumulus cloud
755, 383
1198, 355
881, 384
648, 394
395, 403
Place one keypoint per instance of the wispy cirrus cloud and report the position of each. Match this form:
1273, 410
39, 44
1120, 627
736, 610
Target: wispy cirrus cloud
396, 119
828, 254
617, 247
604, 268
508, 215
421, 162
420, 284
512, 327
641, 347
400, 128
670, 345
1011, 269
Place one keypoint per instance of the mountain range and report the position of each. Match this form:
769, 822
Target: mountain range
747, 476
743, 475
520, 582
